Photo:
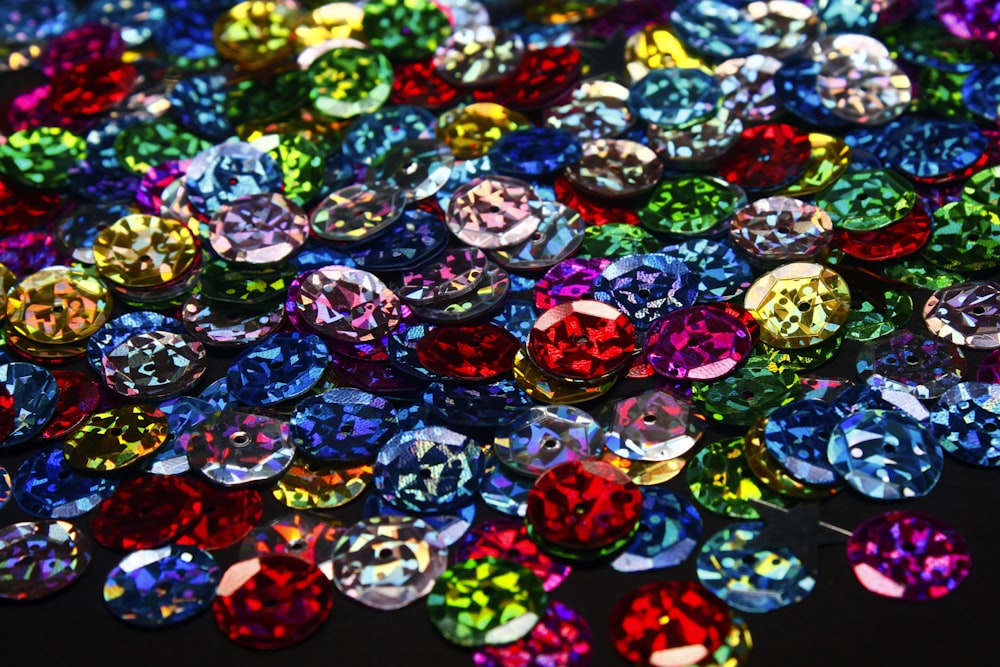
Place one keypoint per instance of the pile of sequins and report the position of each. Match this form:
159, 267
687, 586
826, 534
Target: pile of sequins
439, 249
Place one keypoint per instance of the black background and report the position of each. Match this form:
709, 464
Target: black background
839, 624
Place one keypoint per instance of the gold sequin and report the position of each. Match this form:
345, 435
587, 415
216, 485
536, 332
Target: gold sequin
142, 251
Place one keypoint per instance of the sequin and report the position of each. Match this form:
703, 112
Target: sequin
668, 624
965, 314
46, 486
143, 145
796, 435
283, 367
486, 601
272, 602
781, 229
653, 426
300, 535
153, 365
388, 562
419, 168
116, 438
698, 146
770, 473
146, 512
615, 168
348, 305
428, 469
698, 343
720, 480
767, 157
40, 157
559, 234
313, 485
866, 200
783, 27
493, 212
750, 574
342, 425
36, 395
912, 363
479, 56
747, 87
544, 437
717, 29
675, 97
258, 229
569, 280
561, 637
40, 558
645, 286
227, 516
232, 448
829, 159
934, 150
723, 273
908, 555
885, 455
143, 251
347, 82
405, 30
582, 340
669, 530
256, 33
596, 109
470, 130
540, 385
964, 420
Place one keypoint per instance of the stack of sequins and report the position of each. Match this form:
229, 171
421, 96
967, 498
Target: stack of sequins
312, 248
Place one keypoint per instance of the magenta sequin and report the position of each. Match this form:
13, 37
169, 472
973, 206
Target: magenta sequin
569, 280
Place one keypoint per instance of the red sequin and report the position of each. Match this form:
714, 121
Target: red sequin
419, 84
595, 211
147, 512
226, 517
32, 109
22, 208
92, 87
542, 76
469, 352
669, 623
79, 45
508, 539
897, 240
79, 396
584, 505
272, 602
582, 340
767, 157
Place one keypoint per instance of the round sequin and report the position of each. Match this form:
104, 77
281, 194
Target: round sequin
781, 229
644, 286
767, 156
347, 82
155, 588
144, 251
964, 420
311, 485
912, 363
885, 455
146, 512
46, 486
966, 314
58, 305
232, 447
36, 396
388, 562
615, 168
258, 229
720, 480
675, 97
699, 343
493, 212
346, 304
546, 436
653, 426
283, 367
116, 438
669, 530
582, 340
342, 425
40, 558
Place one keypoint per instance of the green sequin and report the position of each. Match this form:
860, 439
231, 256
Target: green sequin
941, 92
919, 272
983, 187
875, 315
867, 200
347, 82
41, 157
616, 239
144, 145
301, 164
405, 29
691, 205
752, 391
282, 96
222, 281
929, 43
486, 601
966, 237
720, 480
802, 358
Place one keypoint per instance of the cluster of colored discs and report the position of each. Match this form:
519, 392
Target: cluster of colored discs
271, 254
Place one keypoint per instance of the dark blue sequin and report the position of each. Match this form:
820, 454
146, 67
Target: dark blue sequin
35, 394
451, 526
314, 256
930, 149
36, 19
481, 405
283, 367
117, 331
76, 232
198, 103
46, 486
675, 96
856, 398
415, 238
342, 425
505, 491
100, 140
370, 136
187, 38
518, 315
98, 184
539, 151
402, 348
981, 91
182, 414
153, 588
717, 29
797, 435
645, 287
722, 272
669, 530
966, 421
217, 393
795, 85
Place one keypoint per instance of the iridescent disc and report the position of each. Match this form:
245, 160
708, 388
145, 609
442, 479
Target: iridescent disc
157, 587
965, 422
256, 33
116, 438
699, 343
357, 212
493, 212
58, 305
217, 324
699, 146
751, 391
232, 448
720, 480
40, 558
669, 530
781, 229
561, 638
748, 88
226, 172
311, 485
479, 56
646, 286
691, 206
546, 436
675, 97
349, 81
581, 340
418, 167
296, 534
596, 109
752, 577
154, 365
543, 387
388, 562
342, 425
797, 434
36, 396
615, 168
46, 486
486, 601
828, 161
559, 235
912, 363
470, 130
347, 304
258, 229
142, 251
908, 556
653, 426
282, 367
966, 314
886, 455
864, 87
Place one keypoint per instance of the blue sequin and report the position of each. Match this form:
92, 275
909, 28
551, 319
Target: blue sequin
716, 28
966, 421
46, 486
795, 85
797, 435
504, 491
981, 92
182, 413
930, 149
283, 367
750, 577
402, 348
723, 273
669, 530
187, 39
36, 396
314, 256
480, 405
34, 20
428, 470
342, 425
198, 103
675, 97
137, 20
886, 455
372, 135
217, 393
101, 138
645, 287
157, 587
224, 173
450, 526
76, 232
5, 491
98, 184
415, 238
857, 398
857, 16
518, 315
117, 331
538, 151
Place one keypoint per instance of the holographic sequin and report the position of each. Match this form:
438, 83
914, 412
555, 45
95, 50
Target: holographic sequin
46, 486
234, 448
40, 558
544, 437
965, 421
282, 367
669, 530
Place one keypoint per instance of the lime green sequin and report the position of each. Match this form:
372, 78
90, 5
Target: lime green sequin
347, 82
405, 29
42, 156
720, 480
616, 239
144, 145
690, 206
